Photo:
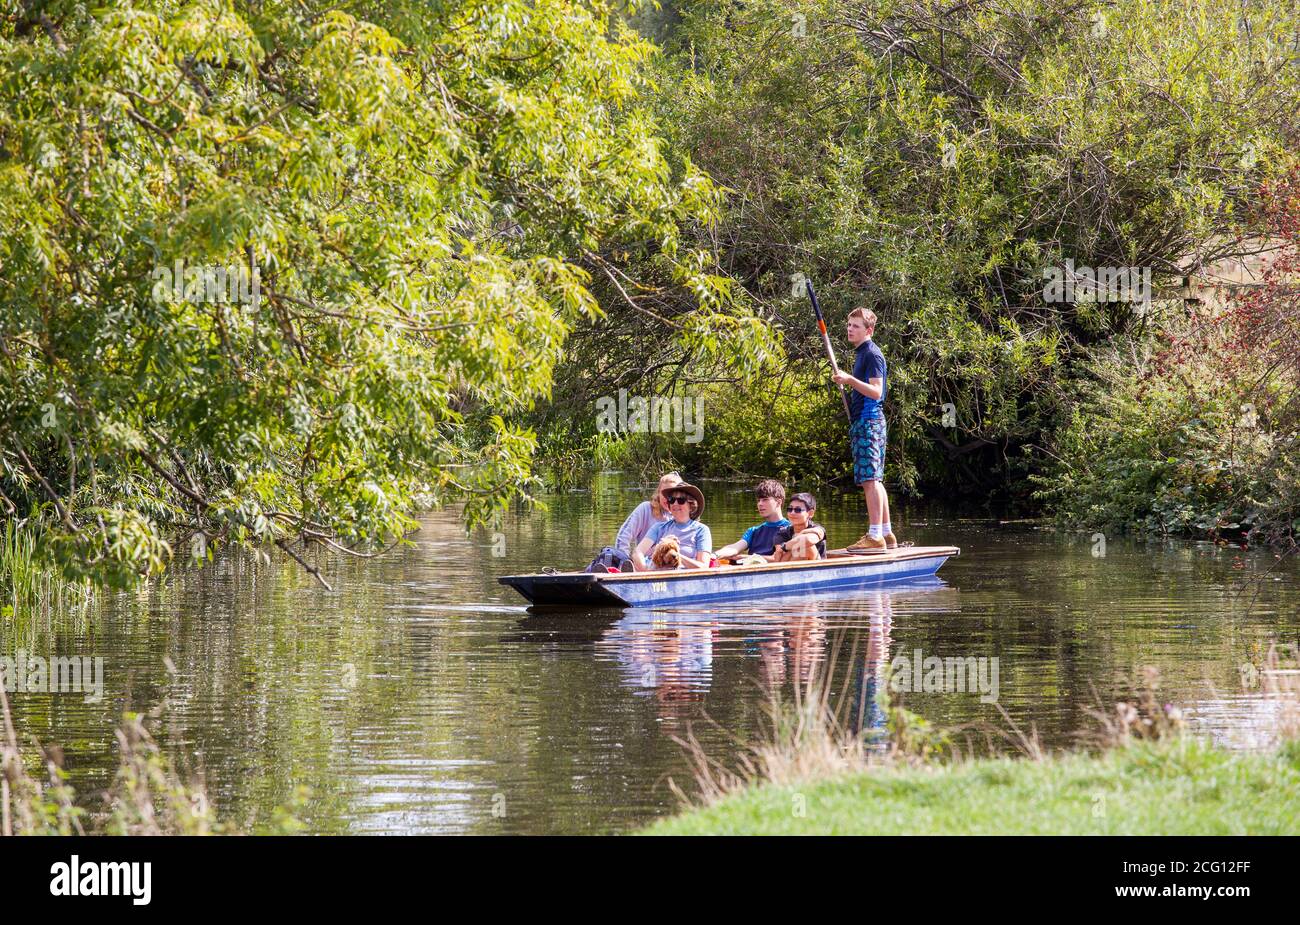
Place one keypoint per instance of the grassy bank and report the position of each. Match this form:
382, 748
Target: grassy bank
1179, 787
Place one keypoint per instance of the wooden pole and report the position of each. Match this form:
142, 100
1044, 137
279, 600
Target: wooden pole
826, 342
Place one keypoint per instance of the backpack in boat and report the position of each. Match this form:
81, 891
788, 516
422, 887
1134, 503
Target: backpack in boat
610, 559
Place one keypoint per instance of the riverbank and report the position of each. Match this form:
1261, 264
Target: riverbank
1181, 787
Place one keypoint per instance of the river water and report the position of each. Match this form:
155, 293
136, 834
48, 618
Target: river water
420, 696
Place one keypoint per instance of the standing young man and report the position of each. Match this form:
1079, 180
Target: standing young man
867, 430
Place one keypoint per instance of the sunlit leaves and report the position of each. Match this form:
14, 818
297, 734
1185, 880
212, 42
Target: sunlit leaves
930, 160
414, 185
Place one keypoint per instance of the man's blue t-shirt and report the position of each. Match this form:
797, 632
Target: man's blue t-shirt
868, 364
762, 539
693, 537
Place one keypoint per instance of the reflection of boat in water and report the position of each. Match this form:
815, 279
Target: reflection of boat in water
654, 589
672, 653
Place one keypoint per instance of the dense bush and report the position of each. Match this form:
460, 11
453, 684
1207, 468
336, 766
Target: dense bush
932, 160
791, 426
1198, 430
1181, 453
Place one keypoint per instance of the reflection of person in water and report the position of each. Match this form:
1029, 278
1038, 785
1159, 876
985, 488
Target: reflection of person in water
668, 654
801, 637
807, 644
866, 716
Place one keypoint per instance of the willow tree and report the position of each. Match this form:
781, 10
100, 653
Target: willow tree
277, 272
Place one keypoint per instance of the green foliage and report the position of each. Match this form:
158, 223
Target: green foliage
789, 426
1175, 448
415, 186
932, 161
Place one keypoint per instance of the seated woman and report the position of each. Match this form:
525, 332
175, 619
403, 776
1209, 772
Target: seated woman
682, 542
646, 515
803, 539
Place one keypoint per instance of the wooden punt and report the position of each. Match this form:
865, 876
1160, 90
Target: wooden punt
839, 569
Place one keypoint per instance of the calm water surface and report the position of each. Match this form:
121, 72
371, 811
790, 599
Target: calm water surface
421, 696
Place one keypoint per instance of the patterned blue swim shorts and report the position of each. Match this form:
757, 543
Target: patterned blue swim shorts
868, 441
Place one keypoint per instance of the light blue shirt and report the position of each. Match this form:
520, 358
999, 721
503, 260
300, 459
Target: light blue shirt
693, 537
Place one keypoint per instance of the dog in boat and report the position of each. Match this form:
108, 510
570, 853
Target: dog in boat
667, 554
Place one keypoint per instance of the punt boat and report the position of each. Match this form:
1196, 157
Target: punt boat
840, 569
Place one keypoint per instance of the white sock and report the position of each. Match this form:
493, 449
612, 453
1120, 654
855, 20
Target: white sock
876, 532
886, 528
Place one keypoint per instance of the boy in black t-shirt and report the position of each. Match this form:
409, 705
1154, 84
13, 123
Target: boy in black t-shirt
803, 539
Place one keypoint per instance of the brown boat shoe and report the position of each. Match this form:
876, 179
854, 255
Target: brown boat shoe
891, 541
868, 544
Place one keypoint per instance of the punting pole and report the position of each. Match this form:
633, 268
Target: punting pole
826, 342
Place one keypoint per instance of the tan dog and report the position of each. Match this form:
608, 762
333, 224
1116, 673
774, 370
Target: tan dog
668, 554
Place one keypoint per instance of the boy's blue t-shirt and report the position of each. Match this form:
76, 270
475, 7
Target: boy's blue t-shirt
762, 539
693, 537
868, 364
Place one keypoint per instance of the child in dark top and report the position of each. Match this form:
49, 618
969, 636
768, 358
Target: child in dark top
803, 539
760, 540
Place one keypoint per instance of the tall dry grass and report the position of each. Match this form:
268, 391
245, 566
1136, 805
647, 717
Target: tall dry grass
807, 739
1279, 679
147, 796
816, 734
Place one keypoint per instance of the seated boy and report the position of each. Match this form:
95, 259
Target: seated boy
760, 540
803, 539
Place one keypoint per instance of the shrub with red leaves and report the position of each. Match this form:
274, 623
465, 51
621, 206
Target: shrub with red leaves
1264, 324
1201, 433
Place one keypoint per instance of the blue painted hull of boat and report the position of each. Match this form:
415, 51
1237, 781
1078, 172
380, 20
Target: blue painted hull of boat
654, 589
